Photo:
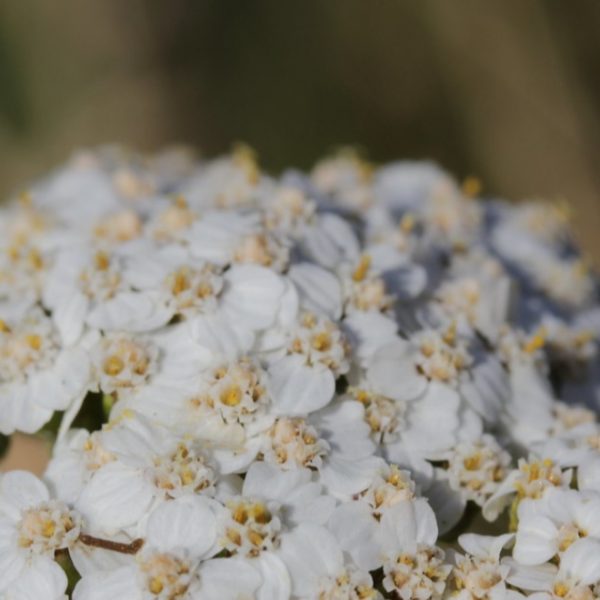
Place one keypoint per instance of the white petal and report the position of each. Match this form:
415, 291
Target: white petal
344, 426
345, 477
12, 559
228, 579
407, 281
407, 524
310, 553
252, 295
267, 481
299, 389
222, 338
121, 583
582, 561
116, 497
448, 504
485, 546
186, 522
357, 531
433, 420
536, 541
392, 372
20, 490
89, 560
331, 241
588, 474
276, 583
319, 290
69, 316
67, 380
369, 331
19, 410
43, 579
130, 311
540, 577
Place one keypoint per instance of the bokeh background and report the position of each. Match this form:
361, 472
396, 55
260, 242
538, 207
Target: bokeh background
507, 90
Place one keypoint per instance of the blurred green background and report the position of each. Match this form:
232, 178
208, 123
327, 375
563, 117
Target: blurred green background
508, 90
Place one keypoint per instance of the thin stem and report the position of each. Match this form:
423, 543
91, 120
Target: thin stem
131, 548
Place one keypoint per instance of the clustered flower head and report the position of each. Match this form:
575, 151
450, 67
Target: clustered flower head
313, 386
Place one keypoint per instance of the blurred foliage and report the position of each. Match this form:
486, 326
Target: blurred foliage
4, 444
13, 98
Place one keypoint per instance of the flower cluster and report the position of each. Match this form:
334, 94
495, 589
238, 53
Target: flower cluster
313, 386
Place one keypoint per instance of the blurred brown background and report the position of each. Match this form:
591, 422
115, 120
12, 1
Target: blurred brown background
508, 90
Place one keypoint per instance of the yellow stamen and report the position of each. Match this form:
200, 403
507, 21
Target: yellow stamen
240, 514
234, 536
156, 585
472, 463
48, 528
471, 186
321, 342
255, 537
187, 477
407, 223
180, 202
113, 365
35, 259
101, 260
362, 269
561, 590
450, 335
536, 342
231, 396
180, 283
260, 513
245, 158
34, 341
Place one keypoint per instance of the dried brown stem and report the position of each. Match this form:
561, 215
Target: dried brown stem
131, 548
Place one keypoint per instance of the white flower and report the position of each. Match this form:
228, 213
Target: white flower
382, 520
292, 386
225, 237
445, 359
409, 432
346, 178
87, 286
318, 568
228, 182
475, 469
150, 466
574, 578
32, 528
178, 536
288, 210
530, 480
550, 525
75, 458
479, 573
38, 375
477, 302
414, 567
60, 194
305, 362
